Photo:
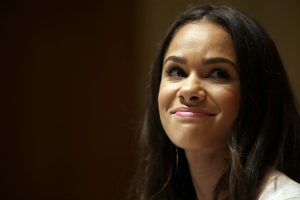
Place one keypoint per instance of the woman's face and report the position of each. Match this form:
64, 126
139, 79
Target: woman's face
199, 95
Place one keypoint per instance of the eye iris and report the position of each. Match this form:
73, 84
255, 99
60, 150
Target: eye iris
220, 74
176, 73
180, 73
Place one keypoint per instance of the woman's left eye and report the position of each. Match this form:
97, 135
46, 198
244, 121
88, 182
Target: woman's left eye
219, 74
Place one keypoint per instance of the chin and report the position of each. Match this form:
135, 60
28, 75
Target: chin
196, 141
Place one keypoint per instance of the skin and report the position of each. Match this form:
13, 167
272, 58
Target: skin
199, 99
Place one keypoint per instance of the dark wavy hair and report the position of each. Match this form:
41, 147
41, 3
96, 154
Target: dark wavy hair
265, 135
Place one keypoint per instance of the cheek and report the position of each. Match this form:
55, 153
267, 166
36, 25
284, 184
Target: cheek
228, 100
166, 98
166, 95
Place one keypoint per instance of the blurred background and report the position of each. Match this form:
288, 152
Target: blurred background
73, 83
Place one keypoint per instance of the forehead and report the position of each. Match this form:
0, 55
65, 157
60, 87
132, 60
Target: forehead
202, 36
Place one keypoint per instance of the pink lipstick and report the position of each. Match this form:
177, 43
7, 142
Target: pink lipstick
191, 112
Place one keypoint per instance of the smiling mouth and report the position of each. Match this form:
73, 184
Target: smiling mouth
192, 112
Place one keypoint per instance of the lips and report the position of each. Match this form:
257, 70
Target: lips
192, 112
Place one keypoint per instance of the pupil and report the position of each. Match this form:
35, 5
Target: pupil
179, 73
221, 74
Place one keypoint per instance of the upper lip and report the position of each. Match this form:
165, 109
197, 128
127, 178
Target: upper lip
193, 110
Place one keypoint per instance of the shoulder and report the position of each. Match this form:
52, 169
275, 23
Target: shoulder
279, 186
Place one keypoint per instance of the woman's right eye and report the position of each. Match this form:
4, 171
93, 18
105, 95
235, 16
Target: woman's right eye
176, 72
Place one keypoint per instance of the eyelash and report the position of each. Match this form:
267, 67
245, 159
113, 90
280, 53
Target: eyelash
216, 73
176, 69
221, 74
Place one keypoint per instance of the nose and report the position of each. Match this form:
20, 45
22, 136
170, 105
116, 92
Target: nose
191, 91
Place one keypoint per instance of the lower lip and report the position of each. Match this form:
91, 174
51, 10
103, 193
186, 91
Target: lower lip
192, 115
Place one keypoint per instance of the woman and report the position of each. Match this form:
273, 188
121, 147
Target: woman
221, 121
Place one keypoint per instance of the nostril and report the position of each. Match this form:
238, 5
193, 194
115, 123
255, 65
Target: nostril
194, 98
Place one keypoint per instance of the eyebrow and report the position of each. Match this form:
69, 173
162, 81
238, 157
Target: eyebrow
176, 59
214, 60
206, 61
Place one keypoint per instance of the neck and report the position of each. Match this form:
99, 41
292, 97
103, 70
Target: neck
206, 168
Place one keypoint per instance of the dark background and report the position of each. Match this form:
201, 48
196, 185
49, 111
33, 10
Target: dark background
69, 101
73, 77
